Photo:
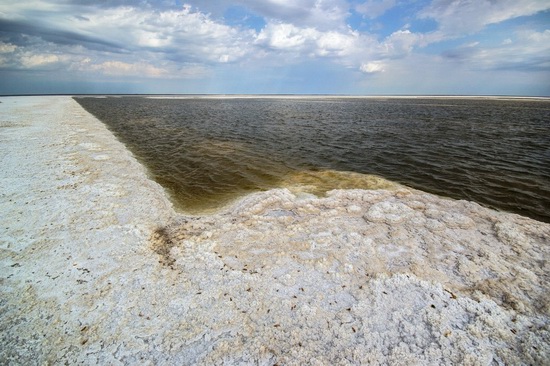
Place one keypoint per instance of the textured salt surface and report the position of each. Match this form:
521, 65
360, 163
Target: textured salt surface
96, 268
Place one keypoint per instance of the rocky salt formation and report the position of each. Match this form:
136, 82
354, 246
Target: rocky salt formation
96, 268
369, 276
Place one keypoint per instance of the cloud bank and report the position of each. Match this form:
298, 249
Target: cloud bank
358, 47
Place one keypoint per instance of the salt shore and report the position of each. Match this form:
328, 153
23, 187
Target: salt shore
97, 268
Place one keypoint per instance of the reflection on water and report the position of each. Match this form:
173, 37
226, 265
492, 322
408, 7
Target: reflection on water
206, 151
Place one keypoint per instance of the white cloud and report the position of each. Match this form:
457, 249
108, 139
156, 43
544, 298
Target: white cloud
456, 17
39, 61
143, 69
286, 36
401, 43
375, 8
373, 67
124, 68
13, 9
7, 47
337, 44
290, 43
328, 14
185, 33
158, 40
319, 14
528, 52
344, 46
179, 43
542, 38
431, 74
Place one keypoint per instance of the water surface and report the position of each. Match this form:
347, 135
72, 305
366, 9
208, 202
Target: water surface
207, 151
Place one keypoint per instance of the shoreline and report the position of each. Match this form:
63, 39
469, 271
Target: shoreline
98, 268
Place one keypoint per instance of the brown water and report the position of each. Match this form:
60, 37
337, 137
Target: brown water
208, 151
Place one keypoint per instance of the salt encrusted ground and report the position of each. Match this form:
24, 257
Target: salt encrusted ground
96, 268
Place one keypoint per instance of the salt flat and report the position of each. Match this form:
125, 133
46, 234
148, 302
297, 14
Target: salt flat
97, 268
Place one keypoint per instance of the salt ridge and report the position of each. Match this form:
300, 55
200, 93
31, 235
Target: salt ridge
97, 268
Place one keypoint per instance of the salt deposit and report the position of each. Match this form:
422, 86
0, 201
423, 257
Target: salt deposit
96, 267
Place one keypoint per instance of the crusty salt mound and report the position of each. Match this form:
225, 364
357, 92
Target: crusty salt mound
367, 276
96, 268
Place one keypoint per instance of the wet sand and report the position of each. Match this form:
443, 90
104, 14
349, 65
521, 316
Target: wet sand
97, 268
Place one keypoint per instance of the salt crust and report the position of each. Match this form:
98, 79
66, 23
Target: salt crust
96, 268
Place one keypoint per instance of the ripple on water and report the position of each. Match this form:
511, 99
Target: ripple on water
207, 152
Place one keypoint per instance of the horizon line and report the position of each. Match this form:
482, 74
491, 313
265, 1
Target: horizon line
245, 95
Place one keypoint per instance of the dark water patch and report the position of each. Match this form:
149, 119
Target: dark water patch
206, 152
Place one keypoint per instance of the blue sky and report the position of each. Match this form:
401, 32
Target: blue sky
363, 47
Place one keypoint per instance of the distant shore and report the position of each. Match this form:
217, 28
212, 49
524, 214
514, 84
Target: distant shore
290, 96
97, 267
328, 96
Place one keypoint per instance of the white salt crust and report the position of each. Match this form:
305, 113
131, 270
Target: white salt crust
96, 267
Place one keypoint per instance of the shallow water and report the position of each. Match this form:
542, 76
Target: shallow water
208, 151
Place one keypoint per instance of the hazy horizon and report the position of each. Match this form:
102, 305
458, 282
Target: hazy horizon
283, 95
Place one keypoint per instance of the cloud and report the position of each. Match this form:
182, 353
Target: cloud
373, 67
7, 47
166, 37
457, 17
6, 54
161, 40
39, 61
319, 14
290, 43
375, 8
401, 43
189, 34
144, 70
54, 33
337, 44
124, 68
80, 17
284, 36
529, 51
184, 34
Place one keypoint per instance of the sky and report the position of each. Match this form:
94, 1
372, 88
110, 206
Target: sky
357, 47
